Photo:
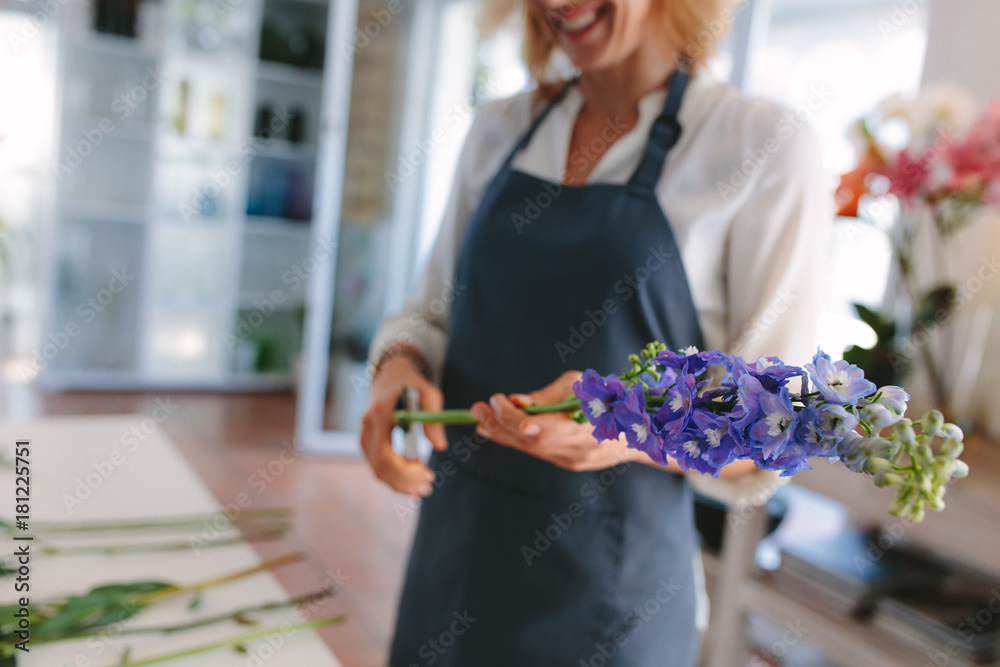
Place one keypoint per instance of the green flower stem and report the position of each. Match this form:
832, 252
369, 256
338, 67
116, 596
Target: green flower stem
181, 523
235, 641
404, 417
234, 615
117, 549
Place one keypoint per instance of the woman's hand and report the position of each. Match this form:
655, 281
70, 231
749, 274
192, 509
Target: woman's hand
404, 475
555, 438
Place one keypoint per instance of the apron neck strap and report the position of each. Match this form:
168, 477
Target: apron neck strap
526, 137
663, 135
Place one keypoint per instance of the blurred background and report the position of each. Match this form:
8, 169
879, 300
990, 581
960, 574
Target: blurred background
218, 200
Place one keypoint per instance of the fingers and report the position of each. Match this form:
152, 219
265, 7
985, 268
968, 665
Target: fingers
499, 421
553, 393
402, 475
503, 422
432, 400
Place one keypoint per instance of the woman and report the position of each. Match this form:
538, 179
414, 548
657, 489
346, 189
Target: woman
640, 202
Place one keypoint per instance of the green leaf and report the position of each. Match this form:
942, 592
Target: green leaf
882, 326
935, 305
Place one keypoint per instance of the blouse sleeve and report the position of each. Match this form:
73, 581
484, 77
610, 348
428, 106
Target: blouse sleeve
777, 254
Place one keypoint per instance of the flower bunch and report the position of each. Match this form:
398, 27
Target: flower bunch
705, 410
949, 164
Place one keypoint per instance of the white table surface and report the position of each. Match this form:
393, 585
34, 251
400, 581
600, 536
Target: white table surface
154, 480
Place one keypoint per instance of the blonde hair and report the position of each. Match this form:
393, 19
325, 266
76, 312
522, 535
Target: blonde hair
692, 28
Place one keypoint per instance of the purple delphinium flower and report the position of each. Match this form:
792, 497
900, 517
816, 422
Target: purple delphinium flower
838, 381
691, 452
654, 387
749, 391
789, 462
776, 425
633, 420
822, 426
771, 372
852, 451
690, 360
675, 414
597, 398
716, 431
835, 422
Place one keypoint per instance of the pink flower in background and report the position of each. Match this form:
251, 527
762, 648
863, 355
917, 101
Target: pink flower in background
950, 165
976, 158
908, 175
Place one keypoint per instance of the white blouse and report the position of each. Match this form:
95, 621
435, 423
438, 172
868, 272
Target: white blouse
744, 190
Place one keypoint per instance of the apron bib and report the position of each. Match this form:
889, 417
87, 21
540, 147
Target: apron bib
517, 562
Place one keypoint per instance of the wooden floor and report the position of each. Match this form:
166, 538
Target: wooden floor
354, 531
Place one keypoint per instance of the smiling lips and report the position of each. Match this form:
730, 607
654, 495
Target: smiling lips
575, 23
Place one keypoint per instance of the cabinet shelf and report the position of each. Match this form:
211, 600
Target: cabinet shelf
286, 150
113, 45
289, 74
102, 211
261, 224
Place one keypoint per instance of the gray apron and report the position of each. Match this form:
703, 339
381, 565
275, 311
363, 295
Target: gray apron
517, 562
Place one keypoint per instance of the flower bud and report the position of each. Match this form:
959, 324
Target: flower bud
875, 448
922, 455
961, 470
901, 501
889, 479
905, 433
878, 416
917, 511
952, 448
942, 470
876, 466
932, 422
950, 431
